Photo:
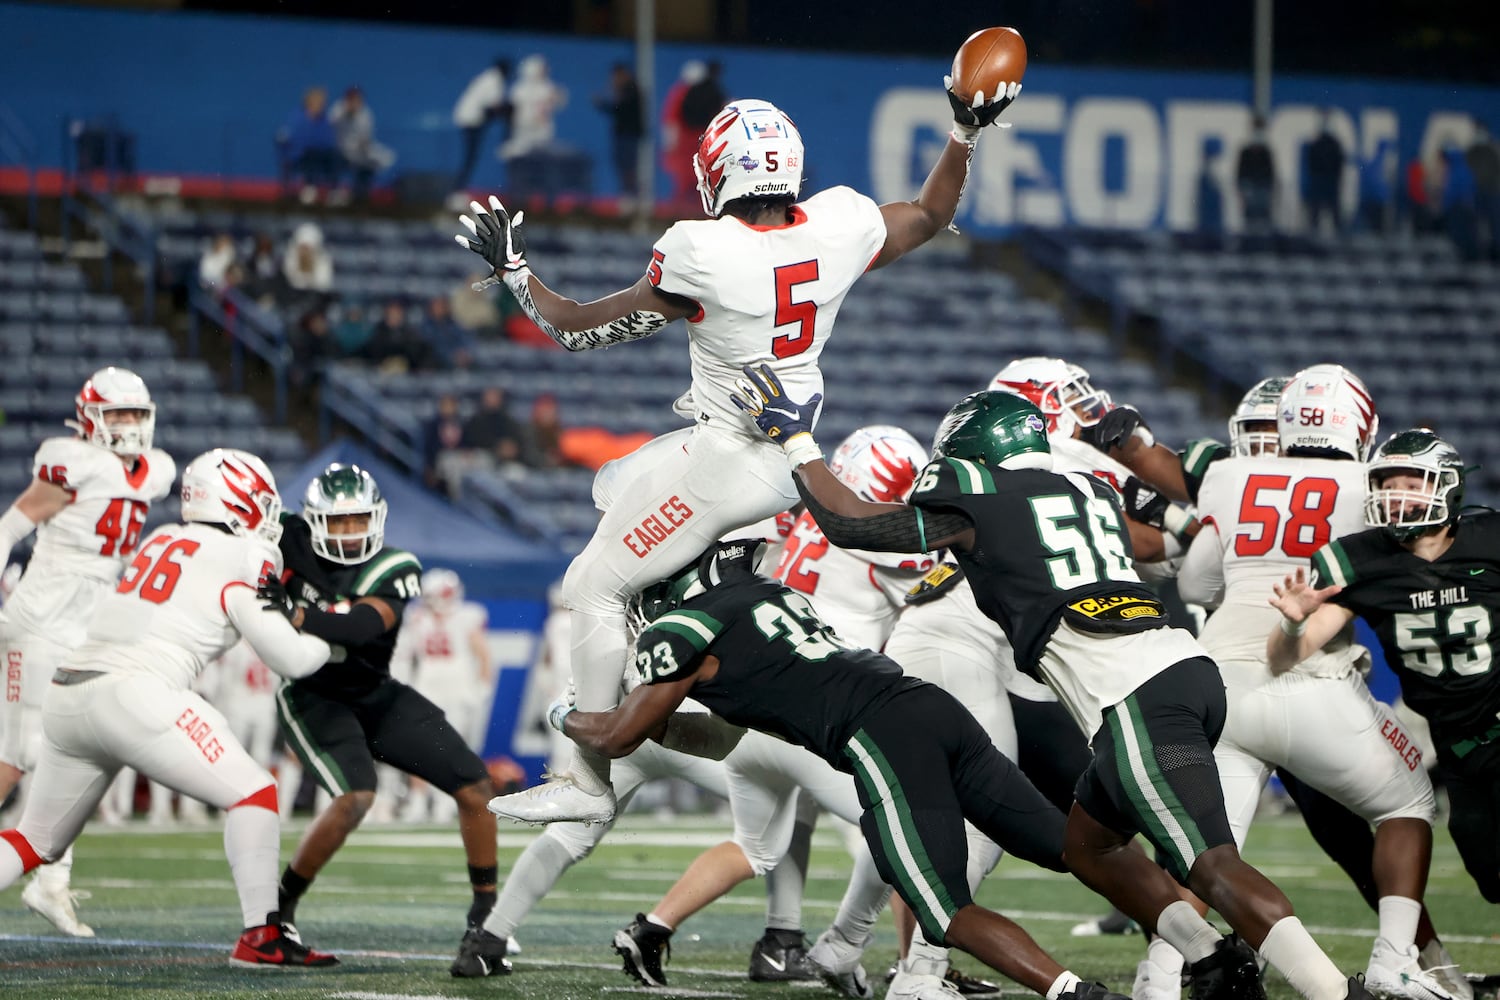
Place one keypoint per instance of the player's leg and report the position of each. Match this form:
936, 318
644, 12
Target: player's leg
328, 739
781, 953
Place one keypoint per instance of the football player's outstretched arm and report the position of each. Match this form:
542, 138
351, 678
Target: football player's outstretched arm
281, 647
38, 503
909, 224
1308, 621
629, 314
641, 716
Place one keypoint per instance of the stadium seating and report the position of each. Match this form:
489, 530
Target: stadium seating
1420, 326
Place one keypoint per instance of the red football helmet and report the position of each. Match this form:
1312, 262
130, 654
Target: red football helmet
1060, 389
115, 411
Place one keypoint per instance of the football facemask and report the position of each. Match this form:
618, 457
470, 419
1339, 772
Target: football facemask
346, 513
114, 411
1059, 389
1416, 482
1252, 428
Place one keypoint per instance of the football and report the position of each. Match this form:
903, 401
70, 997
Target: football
987, 59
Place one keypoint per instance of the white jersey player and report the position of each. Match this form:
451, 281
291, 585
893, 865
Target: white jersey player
1263, 518
124, 698
87, 502
760, 283
444, 637
244, 689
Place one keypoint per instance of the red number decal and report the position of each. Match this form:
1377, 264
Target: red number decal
653, 270
804, 547
1307, 527
57, 475
1311, 416
121, 530
160, 576
437, 645
771, 165
804, 314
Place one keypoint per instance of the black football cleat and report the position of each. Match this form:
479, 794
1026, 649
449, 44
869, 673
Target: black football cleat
1230, 973
780, 956
480, 954
643, 945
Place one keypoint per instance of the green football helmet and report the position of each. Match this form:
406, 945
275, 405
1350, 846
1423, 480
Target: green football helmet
1407, 512
1258, 408
995, 428
719, 561
346, 513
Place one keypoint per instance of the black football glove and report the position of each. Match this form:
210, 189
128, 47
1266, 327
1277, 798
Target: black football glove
1144, 504
495, 235
1113, 429
980, 112
272, 593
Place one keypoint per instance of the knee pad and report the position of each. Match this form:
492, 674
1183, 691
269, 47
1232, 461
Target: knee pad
575, 838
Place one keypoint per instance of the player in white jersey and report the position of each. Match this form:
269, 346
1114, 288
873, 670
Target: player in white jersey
87, 502
442, 645
1263, 519
761, 281
124, 698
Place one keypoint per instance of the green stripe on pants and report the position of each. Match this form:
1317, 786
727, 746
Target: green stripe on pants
327, 770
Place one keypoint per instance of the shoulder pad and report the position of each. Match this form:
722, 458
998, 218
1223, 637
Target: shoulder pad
69, 462
391, 573
952, 477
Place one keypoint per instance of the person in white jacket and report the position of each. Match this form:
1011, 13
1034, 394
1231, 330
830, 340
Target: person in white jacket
124, 698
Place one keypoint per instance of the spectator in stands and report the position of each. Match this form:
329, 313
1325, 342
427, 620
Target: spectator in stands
1255, 177
1210, 203
1376, 187
535, 100
262, 268
1418, 192
703, 100
475, 313
1460, 217
313, 348
678, 144
309, 146
482, 102
1325, 176
394, 345
626, 127
442, 441
451, 344
544, 434
216, 261
492, 430
353, 330
354, 123
1483, 157
306, 266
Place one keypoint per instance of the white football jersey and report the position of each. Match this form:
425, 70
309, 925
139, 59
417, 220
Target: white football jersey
859, 594
1263, 517
166, 616
439, 648
80, 550
766, 294
241, 676
1071, 455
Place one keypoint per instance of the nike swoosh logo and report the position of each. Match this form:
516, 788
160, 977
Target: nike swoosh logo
793, 415
778, 966
1475, 572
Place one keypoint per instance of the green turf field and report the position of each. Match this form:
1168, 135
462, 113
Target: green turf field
392, 906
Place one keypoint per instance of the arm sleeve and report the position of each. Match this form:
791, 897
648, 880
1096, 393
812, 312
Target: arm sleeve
1201, 579
14, 526
632, 326
904, 530
290, 653
361, 625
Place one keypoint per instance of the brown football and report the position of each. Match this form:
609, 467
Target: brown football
987, 59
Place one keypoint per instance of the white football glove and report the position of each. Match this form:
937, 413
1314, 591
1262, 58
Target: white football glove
562, 706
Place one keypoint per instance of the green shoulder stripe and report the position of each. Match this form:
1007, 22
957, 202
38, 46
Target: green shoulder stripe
696, 627
1331, 566
1200, 454
385, 565
972, 477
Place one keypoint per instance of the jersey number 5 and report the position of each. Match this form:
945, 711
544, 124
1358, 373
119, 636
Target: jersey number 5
804, 314
1307, 528
157, 574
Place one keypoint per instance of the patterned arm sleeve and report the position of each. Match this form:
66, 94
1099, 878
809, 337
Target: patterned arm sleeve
903, 530
632, 326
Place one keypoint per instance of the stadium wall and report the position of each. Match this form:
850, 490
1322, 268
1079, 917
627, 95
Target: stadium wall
204, 95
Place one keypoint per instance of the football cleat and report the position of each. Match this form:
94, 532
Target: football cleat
1113, 922
1230, 973
970, 986
480, 954
556, 800
1152, 982
1396, 974
55, 904
837, 961
911, 986
643, 945
270, 947
1435, 959
1090, 991
780, 956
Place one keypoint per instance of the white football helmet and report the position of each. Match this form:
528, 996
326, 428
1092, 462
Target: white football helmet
1326, 408
750, 149
115, 411
1259, 407
1060, 389
879, 462
442, 589
233, 488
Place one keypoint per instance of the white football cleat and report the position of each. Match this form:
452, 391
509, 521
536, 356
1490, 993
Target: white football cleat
837, 960
1435, 960
1152, 982
56, 906
911, 986
556, 800
1396, 974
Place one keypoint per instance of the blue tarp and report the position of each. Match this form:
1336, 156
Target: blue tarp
492, 562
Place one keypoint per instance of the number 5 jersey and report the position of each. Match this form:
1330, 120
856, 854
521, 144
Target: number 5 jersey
80, 550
